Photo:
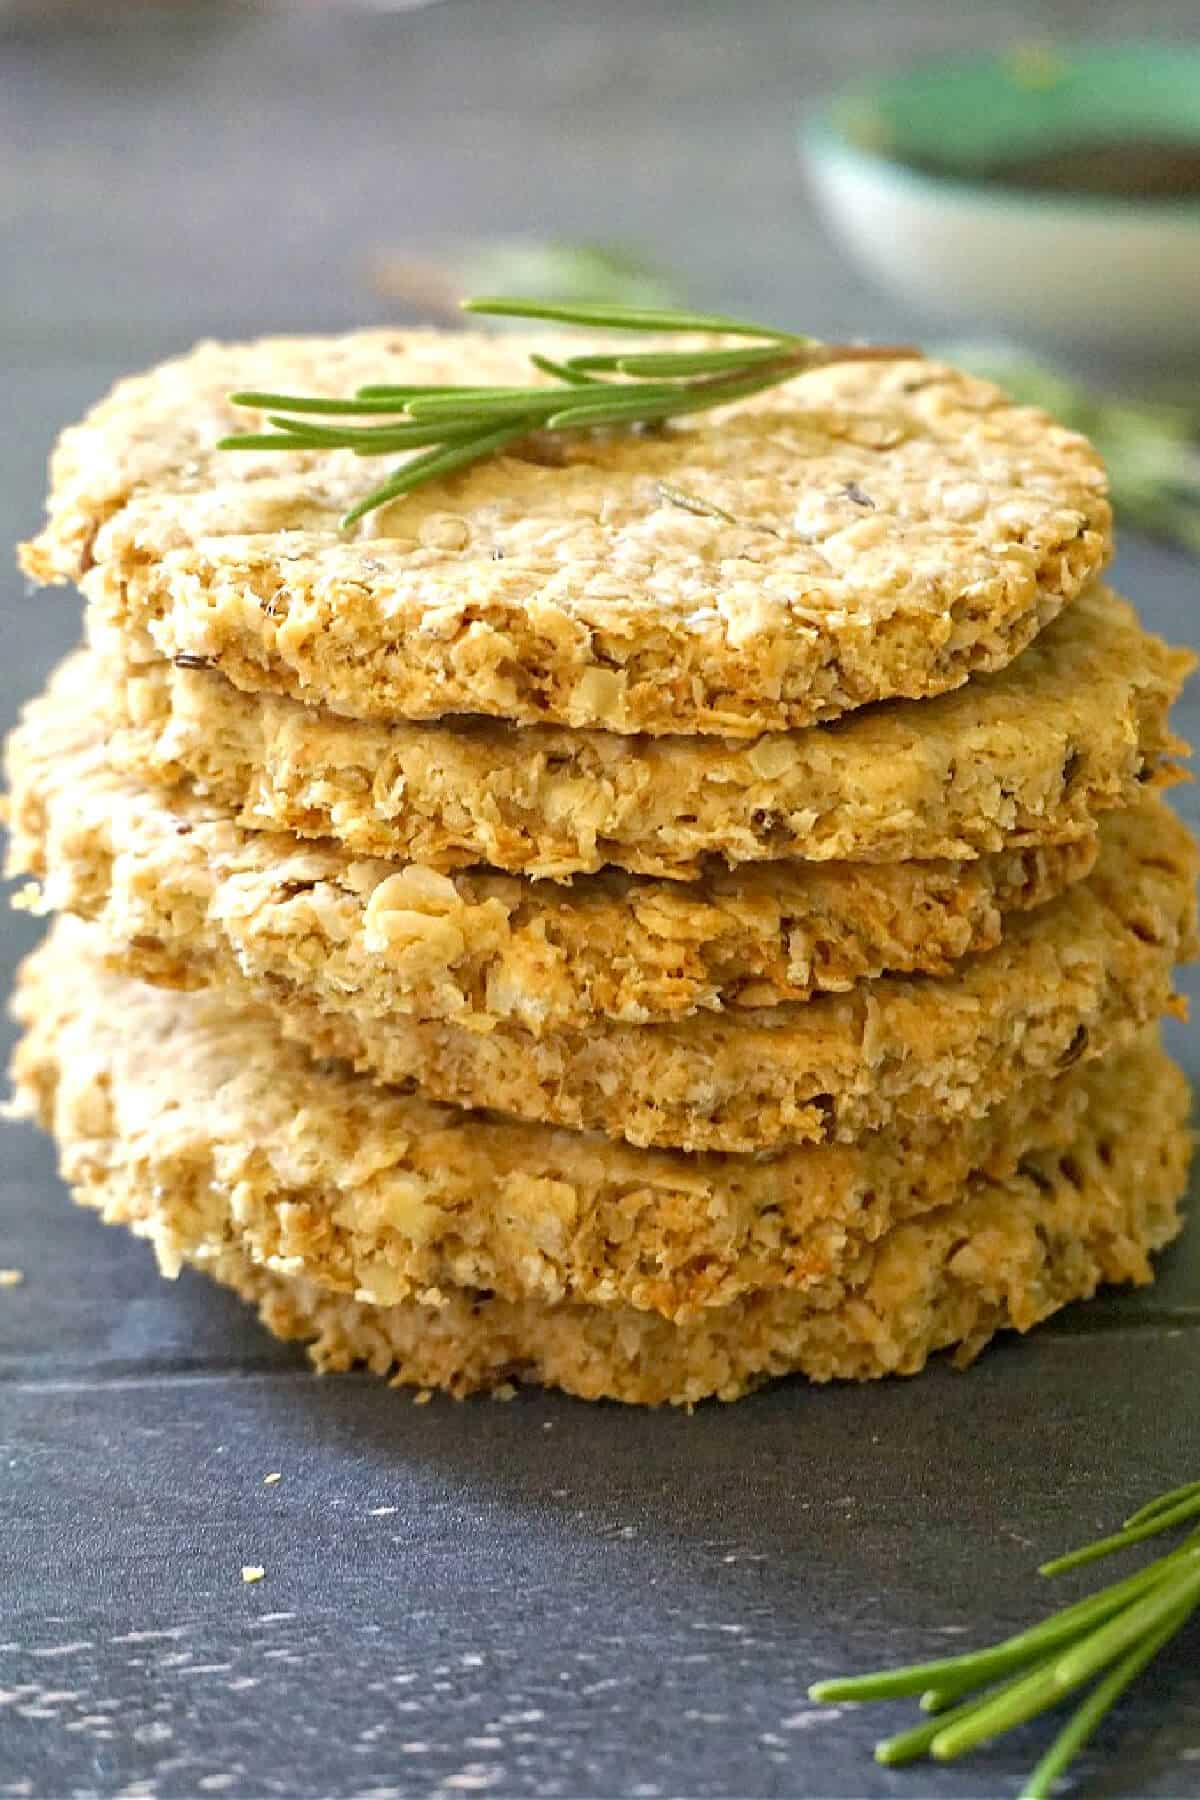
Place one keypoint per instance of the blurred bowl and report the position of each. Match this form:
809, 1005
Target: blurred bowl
1119, 275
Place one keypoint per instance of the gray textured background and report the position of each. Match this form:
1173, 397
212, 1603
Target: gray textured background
560, 1600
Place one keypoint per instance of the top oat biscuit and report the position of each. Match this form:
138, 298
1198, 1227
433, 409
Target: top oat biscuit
899, 526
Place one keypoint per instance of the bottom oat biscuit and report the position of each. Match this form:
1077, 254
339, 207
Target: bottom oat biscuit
303, 1209
309, 1166
1005, 1257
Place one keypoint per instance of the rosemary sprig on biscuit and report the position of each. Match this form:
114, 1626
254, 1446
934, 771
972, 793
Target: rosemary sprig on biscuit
1108, 1638
452, 427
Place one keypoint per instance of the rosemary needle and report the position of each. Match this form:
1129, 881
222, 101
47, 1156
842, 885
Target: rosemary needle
367, 400
459, 425
435, 463
1120, 1634
600, 315
923, 1740
1134, 1532
1108, 1638
1164, 1503
673, 362
573, 373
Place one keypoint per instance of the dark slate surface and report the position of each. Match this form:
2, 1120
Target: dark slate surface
538, 1598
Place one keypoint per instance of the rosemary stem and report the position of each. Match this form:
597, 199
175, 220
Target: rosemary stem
1163, 1503
375, 439
367, 400
1066, 1628
604, 317
1084, 1721
461, 423
632, 410
1020, 1701
437, 463
539, 400
953, 1675
1163, 1520
674, 362
1022, 1696
572, 373
1144, 1615
907, 1746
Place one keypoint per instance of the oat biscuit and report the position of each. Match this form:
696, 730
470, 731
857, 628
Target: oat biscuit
893, 528
1071, 981
392, 1198
1005, 1257
1006, 1250
1029, 756
196, 897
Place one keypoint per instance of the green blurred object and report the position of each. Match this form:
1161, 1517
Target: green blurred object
529, 269
905, 167
1151, 448
967, 113
560, 271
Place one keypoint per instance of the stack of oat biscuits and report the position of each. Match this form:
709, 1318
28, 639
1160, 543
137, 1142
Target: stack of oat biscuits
644, 914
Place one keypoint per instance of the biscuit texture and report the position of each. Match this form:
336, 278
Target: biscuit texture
892, 528
391, 1198
1004, 1251
1027, 757
1006, 1257
196, 897
1072, 981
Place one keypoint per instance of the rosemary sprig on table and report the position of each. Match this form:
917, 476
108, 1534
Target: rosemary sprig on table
1109, 1637
453, 426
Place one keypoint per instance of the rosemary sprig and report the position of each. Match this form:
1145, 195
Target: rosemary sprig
1112, 1636
458, 425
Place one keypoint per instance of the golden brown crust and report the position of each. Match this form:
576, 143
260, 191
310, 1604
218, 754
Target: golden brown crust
302, 1221
1073, 980
899, 526
1031, 756
390, 1198
195, 897
1005, 1257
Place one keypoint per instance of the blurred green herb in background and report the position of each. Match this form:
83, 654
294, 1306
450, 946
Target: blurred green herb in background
1151, 448
528, 269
